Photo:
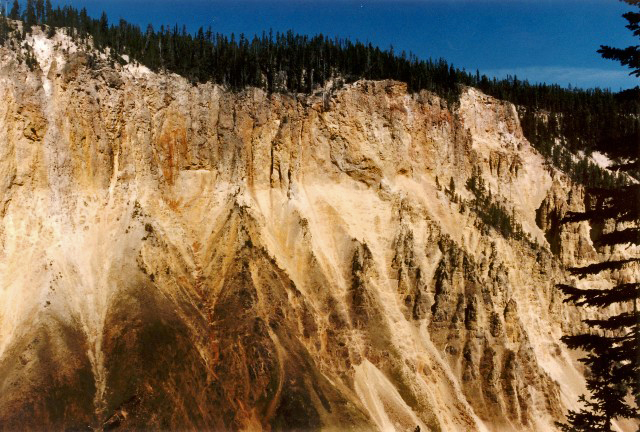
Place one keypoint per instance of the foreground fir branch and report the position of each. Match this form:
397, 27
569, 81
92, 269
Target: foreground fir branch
612, 343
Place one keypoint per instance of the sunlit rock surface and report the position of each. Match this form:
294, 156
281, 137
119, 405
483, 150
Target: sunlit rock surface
183, 257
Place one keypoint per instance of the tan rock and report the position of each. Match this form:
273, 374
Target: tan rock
185, 257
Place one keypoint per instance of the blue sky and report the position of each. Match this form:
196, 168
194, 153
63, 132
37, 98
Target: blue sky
552, 41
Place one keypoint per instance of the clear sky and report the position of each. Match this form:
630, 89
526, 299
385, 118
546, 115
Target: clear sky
552, 41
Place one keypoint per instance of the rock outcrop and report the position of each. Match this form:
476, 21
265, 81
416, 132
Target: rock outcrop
178, 256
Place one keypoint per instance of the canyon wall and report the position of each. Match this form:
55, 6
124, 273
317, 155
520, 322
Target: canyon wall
178, 256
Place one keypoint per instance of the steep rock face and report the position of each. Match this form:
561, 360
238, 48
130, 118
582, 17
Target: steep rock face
184, 257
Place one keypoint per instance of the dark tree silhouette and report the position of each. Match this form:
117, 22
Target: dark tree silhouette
15, 10
612, 343
40, 14
30, 17
629, 56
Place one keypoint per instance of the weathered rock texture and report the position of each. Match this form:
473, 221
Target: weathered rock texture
184, 257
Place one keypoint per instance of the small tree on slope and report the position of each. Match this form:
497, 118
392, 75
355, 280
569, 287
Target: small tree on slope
612, 344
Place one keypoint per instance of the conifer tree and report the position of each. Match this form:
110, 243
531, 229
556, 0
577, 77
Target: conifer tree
15, 10
629, 56
30, 14
48, 9
612, 343
3, 25
40, 11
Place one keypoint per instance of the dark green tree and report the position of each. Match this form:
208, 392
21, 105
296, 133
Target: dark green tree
3, 25
40, 14
30, 13
15, 10
48, 10
629, 56
612, 344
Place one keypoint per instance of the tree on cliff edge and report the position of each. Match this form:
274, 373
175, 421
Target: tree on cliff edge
612, 344
15, 10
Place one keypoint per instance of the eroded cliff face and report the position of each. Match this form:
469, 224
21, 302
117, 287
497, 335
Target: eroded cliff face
184, 257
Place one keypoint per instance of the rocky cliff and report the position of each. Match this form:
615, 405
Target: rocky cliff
177, 256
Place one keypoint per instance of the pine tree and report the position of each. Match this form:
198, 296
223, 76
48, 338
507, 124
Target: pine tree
30, 14
3, 25
612, 343
40, 11
15, 10
629, 56
48, 8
